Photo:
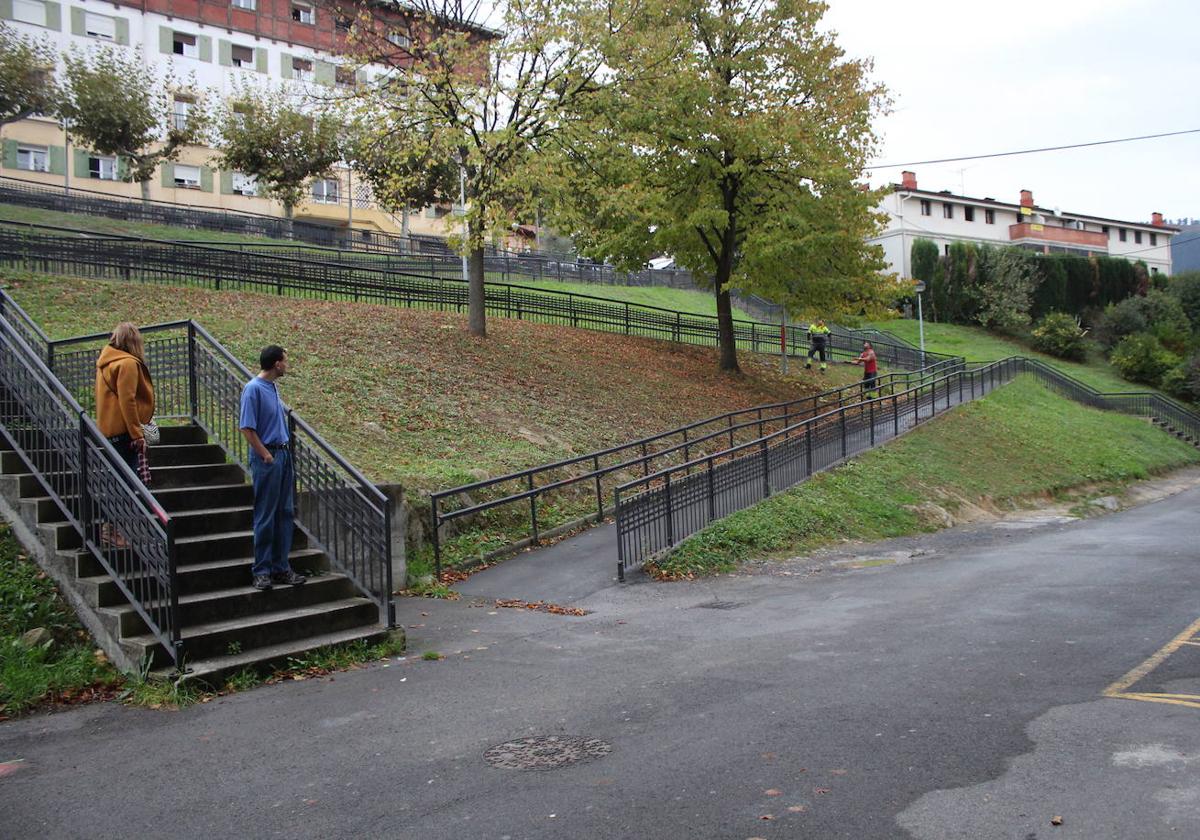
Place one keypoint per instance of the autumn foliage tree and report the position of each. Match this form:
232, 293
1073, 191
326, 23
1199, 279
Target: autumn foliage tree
116, 104
731, 135
27, 84
486, 101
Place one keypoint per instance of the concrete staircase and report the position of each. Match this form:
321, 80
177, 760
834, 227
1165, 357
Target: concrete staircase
226, 624
1171, 430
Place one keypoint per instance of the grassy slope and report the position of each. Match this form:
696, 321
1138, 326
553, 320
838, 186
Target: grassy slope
1062, 445
684, 300
979, 345
408, 395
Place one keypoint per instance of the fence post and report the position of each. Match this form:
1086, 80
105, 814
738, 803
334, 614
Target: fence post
533, 509
712, 492
670, 512
620, 542
842, 416
871, 407
766, 457
599, 493
437, 543
808, 446
193, 385
85, 499
895, 416
173, 583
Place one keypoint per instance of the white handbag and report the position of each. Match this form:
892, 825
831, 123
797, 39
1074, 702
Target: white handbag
151, 433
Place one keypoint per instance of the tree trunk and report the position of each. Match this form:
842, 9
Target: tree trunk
476, 304
726, 342
145, 185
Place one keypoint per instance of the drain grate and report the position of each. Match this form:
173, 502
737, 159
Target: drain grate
545, 753
719, 605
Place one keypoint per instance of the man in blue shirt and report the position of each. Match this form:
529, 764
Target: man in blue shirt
264, 426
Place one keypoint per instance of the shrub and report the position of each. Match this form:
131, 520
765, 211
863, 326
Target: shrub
1185, 288
1060, 334
1004, 283
1183, 380
1142, 358
1158, 313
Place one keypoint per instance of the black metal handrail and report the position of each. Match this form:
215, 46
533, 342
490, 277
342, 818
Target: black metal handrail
197, 264
198, 379
680, 499
643, 453
120, 523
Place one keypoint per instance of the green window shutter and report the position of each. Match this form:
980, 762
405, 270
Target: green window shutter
260, 59
10, 154
204, 47
226, 182
323, 72
206, 179
6, 9
53, 16
122, 31
81, 163
168, 174
224, 53
58, 160
285, 63
122, 169
78, 26
166, 39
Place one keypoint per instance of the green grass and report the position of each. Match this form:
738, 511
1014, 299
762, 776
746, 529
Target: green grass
67, 668
1020, 442
978, 345
684, 300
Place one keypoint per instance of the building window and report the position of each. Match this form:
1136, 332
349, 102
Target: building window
342, 23
302, 13
302, 69
29, 11
104, 168
248, 5
1153, 269
184, 45
399, 39
99, 26
969, 214
33, 158
182, 112
1154, 239
946, 249
989, 216
1137, 237
241, 56
1104, 229
187, 176
947, 210
926, 209
345, 77
244, 184
325, 190
1121, 234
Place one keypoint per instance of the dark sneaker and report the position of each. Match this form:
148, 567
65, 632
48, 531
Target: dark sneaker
288, 578
262, 582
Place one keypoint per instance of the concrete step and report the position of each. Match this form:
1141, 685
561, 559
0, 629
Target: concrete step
60, 536
242, 601
227, 638
200, 475
193, 523
182, 435
191, 454
215, 670
179, 499
194, 577
42, 510
222, 544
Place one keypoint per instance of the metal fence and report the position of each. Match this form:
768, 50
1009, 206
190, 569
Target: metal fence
119, 522
595, 474
654, 512
197, 379
130, 258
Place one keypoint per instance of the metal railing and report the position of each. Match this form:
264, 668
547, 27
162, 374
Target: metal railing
119, 522
656, 511
197, 379
148, 260
596, 473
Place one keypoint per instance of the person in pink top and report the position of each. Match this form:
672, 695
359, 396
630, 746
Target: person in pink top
870, 366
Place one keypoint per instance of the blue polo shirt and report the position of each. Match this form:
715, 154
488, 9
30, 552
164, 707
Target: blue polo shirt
263, 412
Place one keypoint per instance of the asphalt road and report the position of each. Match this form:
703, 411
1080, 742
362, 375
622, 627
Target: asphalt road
958, 693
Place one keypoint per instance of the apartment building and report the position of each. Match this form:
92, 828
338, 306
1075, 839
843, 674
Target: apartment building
945, 217
210, 46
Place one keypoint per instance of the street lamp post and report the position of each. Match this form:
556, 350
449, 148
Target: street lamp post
920, 287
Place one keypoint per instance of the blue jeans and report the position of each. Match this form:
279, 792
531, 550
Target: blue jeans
274, 507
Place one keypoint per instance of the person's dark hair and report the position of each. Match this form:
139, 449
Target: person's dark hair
270, 355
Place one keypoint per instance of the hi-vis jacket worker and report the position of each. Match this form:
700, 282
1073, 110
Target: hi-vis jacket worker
818, 337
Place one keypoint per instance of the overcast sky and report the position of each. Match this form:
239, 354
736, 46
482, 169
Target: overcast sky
973, 77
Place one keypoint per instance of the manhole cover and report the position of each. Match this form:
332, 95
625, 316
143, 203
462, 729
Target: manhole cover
545, 753
718, 605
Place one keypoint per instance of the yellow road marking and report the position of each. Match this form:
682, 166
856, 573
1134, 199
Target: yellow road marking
1119, 688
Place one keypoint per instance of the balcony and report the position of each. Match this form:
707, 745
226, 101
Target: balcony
1027, 233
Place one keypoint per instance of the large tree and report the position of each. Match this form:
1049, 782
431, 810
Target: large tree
486, 101
731, 136
27, 84
267, 135
116, 104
